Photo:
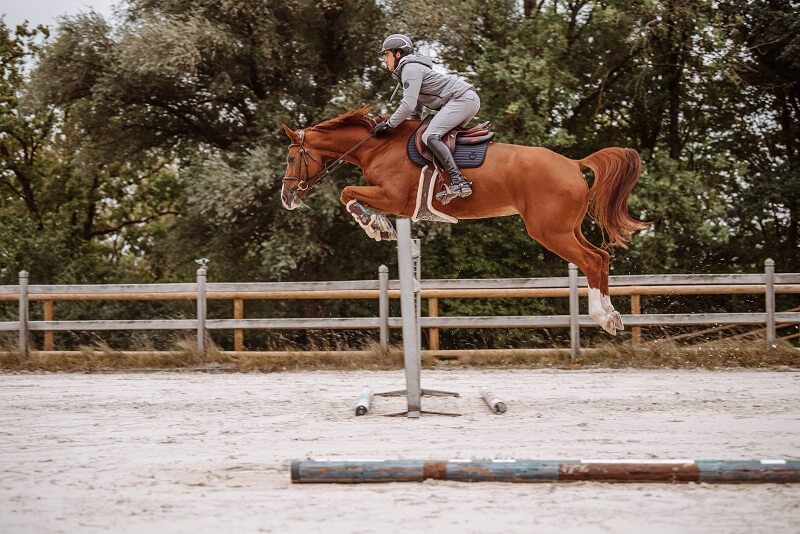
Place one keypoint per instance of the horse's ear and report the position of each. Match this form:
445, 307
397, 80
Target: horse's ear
292, 134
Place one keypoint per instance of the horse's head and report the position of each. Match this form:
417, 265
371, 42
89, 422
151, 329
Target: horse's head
307, 164
304, 168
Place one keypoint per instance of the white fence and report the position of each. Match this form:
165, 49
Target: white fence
769, 283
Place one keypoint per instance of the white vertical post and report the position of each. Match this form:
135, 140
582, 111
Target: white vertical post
410, 325
201, 310
769, 297
383, 305
23, 313
416, 255
574, 328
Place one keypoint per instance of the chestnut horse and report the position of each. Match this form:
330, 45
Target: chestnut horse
547, 189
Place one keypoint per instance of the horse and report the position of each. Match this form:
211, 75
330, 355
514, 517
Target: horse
546, 189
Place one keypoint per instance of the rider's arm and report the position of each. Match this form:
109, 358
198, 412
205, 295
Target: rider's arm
418, 111
412, 81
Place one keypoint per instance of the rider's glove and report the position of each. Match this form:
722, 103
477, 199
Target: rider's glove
382, 128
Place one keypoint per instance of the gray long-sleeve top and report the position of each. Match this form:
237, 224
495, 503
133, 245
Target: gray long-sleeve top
422, 86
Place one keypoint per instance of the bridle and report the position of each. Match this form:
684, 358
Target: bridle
307, 183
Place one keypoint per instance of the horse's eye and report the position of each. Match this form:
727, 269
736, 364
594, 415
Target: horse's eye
291, 159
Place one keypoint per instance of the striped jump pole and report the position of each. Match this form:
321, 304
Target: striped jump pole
674, 471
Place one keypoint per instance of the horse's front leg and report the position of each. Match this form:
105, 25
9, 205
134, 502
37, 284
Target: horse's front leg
362, 201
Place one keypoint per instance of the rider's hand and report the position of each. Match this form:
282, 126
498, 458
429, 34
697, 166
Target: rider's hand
382, 128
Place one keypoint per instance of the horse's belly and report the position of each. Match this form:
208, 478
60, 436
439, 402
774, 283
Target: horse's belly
469, 212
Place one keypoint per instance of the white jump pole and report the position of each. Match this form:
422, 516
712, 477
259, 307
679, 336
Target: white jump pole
408, 299
407, 252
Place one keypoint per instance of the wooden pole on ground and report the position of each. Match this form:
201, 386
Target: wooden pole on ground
462, 470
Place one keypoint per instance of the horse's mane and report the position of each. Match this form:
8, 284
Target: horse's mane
354, 116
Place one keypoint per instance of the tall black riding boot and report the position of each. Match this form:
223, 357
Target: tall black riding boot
459, 186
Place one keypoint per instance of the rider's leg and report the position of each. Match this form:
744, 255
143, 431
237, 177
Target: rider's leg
459, 186
457, 112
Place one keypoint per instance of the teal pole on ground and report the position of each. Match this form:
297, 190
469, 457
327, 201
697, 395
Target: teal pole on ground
513, 470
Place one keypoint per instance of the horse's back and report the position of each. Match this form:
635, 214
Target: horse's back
525, 166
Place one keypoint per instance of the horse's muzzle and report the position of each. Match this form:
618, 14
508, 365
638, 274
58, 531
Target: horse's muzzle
290, 198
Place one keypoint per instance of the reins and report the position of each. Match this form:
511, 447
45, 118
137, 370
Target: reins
303, 184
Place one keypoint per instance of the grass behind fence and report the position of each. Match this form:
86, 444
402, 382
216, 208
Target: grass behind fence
184, 356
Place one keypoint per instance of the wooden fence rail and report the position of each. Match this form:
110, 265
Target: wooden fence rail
383, 289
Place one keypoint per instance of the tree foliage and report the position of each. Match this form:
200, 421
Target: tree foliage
130, 150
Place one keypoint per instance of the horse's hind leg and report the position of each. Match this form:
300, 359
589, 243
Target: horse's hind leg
567, 245
606, 295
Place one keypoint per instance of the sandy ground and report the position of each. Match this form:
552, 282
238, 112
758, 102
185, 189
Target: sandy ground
172, 452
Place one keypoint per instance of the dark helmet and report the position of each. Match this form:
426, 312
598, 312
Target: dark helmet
397, 41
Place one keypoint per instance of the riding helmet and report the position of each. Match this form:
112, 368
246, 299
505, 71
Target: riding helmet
397, 41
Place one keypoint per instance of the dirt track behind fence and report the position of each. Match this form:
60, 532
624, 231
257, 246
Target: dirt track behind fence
210, 452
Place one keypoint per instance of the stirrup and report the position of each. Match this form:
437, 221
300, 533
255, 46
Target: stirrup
461, 190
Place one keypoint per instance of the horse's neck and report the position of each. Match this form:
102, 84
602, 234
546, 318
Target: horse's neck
338, 142
341, 140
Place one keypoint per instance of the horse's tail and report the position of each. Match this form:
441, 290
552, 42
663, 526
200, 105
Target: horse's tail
615, 173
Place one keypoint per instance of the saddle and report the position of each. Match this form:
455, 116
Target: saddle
468, 145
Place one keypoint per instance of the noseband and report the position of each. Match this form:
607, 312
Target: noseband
307, 183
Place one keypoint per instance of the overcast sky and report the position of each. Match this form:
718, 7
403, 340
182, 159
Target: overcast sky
46, 11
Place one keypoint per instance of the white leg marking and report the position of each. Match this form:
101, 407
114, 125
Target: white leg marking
596, 310
599, 314
607, 306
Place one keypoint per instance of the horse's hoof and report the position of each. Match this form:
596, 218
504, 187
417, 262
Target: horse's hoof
617, 318
608, 326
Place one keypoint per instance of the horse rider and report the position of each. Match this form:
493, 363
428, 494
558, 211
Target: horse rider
456, 101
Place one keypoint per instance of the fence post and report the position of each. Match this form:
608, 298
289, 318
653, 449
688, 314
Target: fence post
201, 308
574, 328
383, 305
433, 333
23, 313
238, 333
48, 334
769, 291
636, 309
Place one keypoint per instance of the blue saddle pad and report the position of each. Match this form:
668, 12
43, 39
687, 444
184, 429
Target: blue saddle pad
466, 156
